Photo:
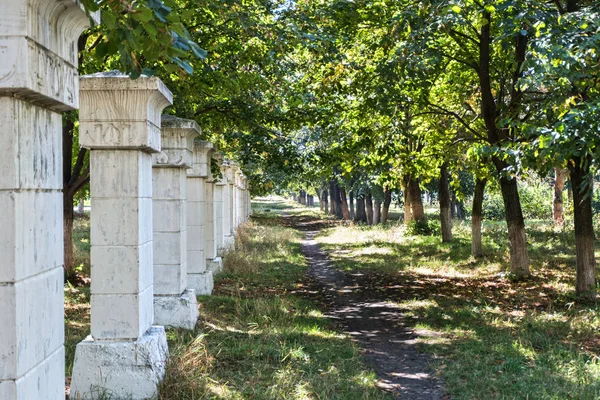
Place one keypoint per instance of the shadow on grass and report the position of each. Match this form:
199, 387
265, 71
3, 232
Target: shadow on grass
265, 347
257, 339
497, 339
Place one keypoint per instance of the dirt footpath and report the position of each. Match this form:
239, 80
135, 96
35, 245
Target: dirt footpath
388, 345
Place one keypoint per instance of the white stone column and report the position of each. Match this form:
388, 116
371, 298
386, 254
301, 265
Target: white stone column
238, 197
228, 238
214, 263
38, 81
219, 206
246, 200
199, 277
125, 355
175, 305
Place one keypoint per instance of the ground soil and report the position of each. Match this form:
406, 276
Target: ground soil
388, 343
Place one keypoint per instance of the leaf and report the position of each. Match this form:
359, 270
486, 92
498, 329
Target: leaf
456, 9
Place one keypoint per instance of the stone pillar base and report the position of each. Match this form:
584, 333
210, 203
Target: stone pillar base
176, 311
228, 242
202, 283
215, 265
121, 370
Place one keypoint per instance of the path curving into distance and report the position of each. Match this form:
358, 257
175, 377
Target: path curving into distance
388, 344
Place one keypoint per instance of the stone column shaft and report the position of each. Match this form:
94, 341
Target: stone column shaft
200, 278
120, 124
214, 263
228, 239
38, 81
219, 215
174, 304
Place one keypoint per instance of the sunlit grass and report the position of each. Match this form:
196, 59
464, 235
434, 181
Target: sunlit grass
490, 337
256, 339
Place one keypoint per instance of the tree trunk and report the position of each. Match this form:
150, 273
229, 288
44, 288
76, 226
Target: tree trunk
386, 205
75, 176
477, 217
344, 207
361, 214
351, 195
407, 207
339, 212
416, 201
332, 202
320, 197
377, 212
460, 214
445, 204
369, 207
325, 200
69, 246
584, 228
519, 259
557, 201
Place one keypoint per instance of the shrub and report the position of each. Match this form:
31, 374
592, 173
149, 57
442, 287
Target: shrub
536, 201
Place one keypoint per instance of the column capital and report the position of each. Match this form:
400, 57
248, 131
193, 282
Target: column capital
230, 171
219, 157
38, 46
238, 177
177, 137
118, 112
202, 155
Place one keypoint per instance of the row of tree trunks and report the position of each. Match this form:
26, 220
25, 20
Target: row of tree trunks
445, 203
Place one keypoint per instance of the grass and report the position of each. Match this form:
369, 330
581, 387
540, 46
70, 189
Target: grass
257, 339
494, 338
77, 298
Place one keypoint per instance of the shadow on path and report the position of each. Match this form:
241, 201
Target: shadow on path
388, 344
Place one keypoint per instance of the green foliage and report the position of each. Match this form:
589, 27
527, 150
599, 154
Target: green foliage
536, 201
426, 227
138, 37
